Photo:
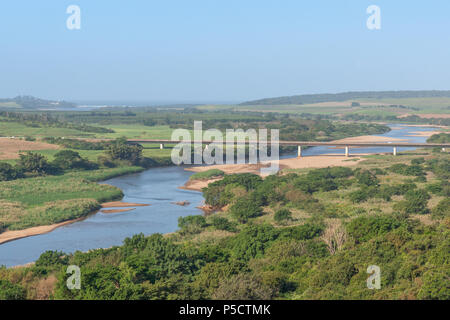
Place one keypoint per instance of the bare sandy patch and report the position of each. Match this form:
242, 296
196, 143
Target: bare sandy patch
197, 185
34, 231
424, 133
117, 210
11, 148
120, 204
321, 161
368, 139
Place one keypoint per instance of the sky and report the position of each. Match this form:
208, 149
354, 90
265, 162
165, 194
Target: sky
220, 51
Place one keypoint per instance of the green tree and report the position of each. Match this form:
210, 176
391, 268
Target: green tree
244, 209
34, 163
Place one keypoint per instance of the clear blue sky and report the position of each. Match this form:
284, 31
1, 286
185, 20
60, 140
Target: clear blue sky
227, 50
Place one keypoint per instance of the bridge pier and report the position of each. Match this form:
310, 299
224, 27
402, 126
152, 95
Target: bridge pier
347, 153
299, 151
395, 151
161, 146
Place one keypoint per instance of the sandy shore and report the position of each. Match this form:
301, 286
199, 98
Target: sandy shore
34, 231
368, 139
116, 210
321, 161
120, 204
425, 133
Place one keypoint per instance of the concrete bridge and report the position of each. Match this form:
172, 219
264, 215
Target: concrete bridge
300, 144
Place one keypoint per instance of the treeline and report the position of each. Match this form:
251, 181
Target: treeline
117, 153
331, 97
38, 120
439, 138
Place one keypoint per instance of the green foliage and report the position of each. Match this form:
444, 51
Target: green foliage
8, 172
439, 138
191, 224
244, 209
252, 241
68, 159
51, 259
220, 223
34, 163
10, 291
282, 215
442, 210
365, 228
120, 150
415, 202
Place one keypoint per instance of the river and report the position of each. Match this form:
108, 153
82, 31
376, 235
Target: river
157, 187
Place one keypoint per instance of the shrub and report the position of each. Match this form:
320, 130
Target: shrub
306, 231
8, 172
120, 150
367, 227
220, 223
282, 215
34, 163
11, 291
244, 209
442, 209
68, 159
415, 202
367, 178
51, 258
192, 224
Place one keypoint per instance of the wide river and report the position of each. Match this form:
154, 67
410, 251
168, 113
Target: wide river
157, 187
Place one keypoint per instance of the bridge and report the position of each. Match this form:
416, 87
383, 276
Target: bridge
300, 144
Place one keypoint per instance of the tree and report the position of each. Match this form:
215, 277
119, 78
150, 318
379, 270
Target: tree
34, 163
68, 159
244, 209
120, 150
8, 172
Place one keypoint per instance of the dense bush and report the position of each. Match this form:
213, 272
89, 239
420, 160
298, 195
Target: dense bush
8, 172
415, 202
10, 291
221, 223
244, 209
120, 150
68, 159
34, 163
367, 227
282, 215
191, 224
442, 210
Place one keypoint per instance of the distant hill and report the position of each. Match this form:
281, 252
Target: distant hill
30, 102
345, 96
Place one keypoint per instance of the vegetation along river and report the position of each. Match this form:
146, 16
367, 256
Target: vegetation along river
158, 187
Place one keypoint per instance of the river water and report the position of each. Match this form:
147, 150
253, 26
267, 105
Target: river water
157, 187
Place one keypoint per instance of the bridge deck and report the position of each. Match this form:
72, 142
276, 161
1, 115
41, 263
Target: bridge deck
308, 143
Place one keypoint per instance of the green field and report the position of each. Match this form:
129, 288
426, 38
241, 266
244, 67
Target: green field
46, 200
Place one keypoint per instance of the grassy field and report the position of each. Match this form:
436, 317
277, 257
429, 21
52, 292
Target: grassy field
46, 200
368, 106
8, 129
